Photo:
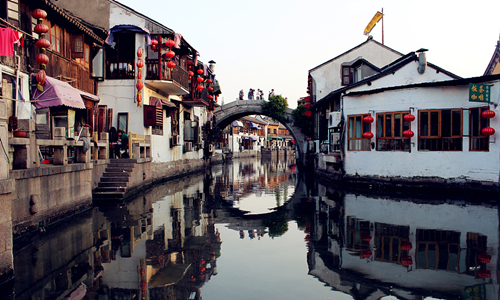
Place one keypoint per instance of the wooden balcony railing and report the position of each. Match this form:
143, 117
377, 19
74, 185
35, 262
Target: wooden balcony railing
177, 74
120, 70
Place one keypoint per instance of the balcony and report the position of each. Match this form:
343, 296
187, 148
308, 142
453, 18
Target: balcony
171, 82
120, 70
196, 98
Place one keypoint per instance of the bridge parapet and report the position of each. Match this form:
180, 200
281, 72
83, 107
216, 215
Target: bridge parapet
231, 111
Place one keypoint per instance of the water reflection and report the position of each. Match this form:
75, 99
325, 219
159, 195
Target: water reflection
256, 229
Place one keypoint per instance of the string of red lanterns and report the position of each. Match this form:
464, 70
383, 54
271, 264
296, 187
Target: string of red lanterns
43, 44
139, 85
170, 64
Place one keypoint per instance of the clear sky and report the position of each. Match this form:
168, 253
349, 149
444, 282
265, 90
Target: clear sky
274, 43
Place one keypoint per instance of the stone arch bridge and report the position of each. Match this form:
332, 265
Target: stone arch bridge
227, 113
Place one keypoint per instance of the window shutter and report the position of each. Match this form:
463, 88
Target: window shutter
77, 46
149, 115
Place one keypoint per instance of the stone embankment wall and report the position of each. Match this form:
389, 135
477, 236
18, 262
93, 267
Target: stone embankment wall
49, 193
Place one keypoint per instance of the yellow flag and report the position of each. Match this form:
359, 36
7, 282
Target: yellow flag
373, 22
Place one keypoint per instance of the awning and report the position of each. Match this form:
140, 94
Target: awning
253, 138
56, 93
269, 138
237, 124
254, 125
129, 28
159, 102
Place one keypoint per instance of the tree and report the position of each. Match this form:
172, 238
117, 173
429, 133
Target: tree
301, 120
275, 108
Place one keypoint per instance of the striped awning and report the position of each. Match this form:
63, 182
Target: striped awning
237, 124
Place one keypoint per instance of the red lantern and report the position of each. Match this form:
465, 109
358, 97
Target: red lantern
139, 98
41, 28
41, 77
42, 43
308, 92
154, 43
140, 63
484, 274
406, 261
368, 119
139, 52
408, 133
190, 73
199, 79
488, 114
307, 105
139, 75
39, 14
199, 71
210, 89
409, 118
488, 131
406, 246
308, 113
169, 43
367, 135
171, 65
210, 97
366, 253
485, 258
170, 54
366, 237
209, 80
139, 85
42, 58
199, 87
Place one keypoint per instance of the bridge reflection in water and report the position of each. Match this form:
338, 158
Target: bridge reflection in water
259, 229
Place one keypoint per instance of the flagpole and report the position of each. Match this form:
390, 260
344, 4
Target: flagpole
382, 26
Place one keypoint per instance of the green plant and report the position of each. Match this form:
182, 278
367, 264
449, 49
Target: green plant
275, 108
301, 120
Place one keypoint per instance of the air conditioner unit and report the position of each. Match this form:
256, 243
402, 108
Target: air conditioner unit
334, 119
188, 146
211, 148
334, 137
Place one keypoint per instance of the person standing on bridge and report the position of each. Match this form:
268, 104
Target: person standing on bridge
257, 97
271, 93
241, 95
262, 95
250, 94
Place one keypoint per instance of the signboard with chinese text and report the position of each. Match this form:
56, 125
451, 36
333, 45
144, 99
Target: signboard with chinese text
479, 92
475, 292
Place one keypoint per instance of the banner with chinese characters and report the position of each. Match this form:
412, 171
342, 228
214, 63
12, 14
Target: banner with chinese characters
479, 92
475, 292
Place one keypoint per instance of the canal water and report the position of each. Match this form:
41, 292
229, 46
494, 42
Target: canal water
259, 229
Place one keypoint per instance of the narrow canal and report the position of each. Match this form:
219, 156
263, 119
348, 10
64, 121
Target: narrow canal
253, 229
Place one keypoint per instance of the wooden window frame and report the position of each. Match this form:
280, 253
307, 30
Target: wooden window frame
77, 46
438, 142
436, 242
358, 142
393, 142
346, 79
477, 141
55, 36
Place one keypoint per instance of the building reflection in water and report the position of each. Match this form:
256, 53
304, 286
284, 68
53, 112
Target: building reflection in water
379, 246
164, 244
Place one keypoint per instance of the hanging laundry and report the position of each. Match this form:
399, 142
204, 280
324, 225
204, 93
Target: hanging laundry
20, 40
7, 39
177, 40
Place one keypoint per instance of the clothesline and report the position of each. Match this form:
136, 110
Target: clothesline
14, 27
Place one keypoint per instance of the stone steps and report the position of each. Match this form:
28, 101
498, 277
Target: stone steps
114, 180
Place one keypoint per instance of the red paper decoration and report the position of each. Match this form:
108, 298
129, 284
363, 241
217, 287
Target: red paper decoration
408, 133
488, 114
406, 261
41, 77
191, 74
409, 118
139, 85
139, 52
140, 63
170, 54
210, 89
154, 44
488, 131
171, 65
199, 71
308, 113
169, 43
367, 135
42, 43
199, 87
42, 58
406, 246
41, 28
368, 119
39, 14
307, 105
199, 79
